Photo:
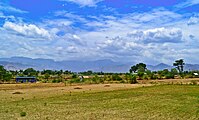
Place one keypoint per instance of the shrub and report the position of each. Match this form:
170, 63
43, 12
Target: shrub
122, 81
56, 81
145, 77
140, 75
169, 76
133, 79
153, 77
45, 104
75, 81
22, 114
189, 76
74, 76
17, 92
116, 77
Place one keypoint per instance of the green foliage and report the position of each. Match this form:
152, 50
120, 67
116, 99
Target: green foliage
179, 64
7, 76
30, 72
174, 71
2, 72
47, 76
74, 76
75, 80
87, 73
133, 79
95, 79
169, 76
56, 81
116, 77
141, 67
23, 114
145, 77
140, 75
133, 69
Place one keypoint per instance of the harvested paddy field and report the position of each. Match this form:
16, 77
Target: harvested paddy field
103, 101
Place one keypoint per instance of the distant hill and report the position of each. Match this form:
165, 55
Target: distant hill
76, 66
191, 67
160, 66
17, 63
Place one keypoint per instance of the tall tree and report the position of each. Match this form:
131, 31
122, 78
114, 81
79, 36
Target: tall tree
179, 64
141, 67
133, 69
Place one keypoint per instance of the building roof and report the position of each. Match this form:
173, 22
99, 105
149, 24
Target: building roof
195, 74
25, 77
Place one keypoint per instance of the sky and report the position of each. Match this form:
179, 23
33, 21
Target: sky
149, 31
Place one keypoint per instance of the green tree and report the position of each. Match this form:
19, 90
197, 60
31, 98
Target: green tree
116, 77
179, 64
140, 75
174, 71
2, 72
47, 76
30, 72
133, 69
141, 67
133, 79
7, 76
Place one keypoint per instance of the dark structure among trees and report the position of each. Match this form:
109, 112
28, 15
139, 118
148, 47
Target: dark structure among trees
26, 79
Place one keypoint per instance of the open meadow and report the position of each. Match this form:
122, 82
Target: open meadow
102, 101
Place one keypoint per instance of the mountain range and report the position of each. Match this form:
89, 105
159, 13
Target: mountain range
17, 63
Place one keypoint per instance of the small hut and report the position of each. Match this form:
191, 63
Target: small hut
26, 79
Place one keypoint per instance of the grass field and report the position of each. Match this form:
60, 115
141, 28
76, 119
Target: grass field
111, 102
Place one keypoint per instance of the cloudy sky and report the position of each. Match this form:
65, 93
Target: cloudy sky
150, 31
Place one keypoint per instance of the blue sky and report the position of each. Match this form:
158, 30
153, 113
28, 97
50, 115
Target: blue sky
121, 30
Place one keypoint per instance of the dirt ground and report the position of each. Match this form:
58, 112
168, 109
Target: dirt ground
41, 90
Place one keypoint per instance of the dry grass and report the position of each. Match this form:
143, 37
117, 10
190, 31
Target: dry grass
118, 101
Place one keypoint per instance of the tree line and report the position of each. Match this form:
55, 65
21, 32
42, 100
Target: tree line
136, 72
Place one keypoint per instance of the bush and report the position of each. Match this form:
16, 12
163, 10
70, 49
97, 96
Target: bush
116, 77
153, 77
169, 76
145, 77
140, 75
189, 76
56, 81
133, 79
22, 114
75, 81
74, 76
122, 81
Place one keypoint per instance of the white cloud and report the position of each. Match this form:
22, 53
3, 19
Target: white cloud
89, 3
70, 16
5, 7
187, 3
193, 20
27, 30
11, 17
157, 35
